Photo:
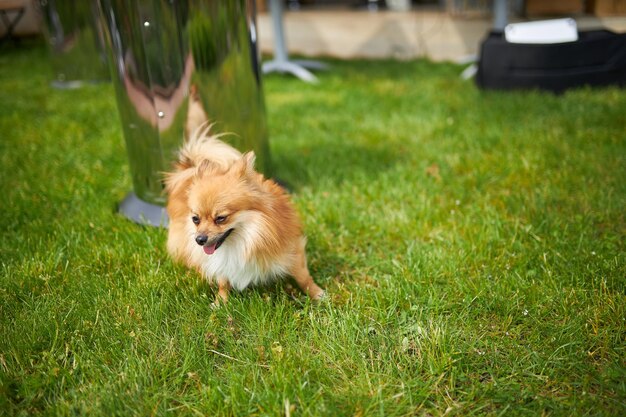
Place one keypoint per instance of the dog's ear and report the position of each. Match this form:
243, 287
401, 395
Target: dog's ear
206, 167
245, 166
249, 158
177, 182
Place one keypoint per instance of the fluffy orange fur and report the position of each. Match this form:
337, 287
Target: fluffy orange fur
231, 224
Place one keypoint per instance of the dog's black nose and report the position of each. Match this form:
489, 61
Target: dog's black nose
201, 239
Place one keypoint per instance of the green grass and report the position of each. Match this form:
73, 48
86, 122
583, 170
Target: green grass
472, 243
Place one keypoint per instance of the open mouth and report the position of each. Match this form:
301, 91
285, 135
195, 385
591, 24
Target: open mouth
211, 247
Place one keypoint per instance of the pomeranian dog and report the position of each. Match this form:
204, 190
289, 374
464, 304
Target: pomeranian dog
231, 224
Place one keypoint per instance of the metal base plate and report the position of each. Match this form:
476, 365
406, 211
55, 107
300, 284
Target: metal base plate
297, 68
139, 211
75, 84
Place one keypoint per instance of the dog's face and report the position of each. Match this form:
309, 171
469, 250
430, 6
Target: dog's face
219, 200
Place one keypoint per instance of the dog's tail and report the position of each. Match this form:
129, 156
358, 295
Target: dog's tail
203, 145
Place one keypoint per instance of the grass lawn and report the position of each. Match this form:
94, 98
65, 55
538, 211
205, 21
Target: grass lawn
472, 244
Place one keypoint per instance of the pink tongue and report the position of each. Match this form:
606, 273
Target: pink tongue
209, 250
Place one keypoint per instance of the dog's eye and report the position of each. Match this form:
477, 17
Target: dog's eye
195, 220
220, 219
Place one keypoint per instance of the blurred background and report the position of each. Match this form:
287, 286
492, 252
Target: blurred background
404, 29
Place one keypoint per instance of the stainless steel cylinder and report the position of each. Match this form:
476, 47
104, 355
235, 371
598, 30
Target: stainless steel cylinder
177, 64
72, 29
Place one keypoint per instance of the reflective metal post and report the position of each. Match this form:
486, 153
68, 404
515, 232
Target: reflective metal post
72, 29
176, 64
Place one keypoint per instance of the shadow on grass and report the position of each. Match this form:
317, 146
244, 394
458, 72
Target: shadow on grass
335, 162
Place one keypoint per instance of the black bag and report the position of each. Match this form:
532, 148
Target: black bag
597, 58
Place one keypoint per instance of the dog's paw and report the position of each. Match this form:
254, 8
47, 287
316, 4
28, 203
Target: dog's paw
322, 297
220, 300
